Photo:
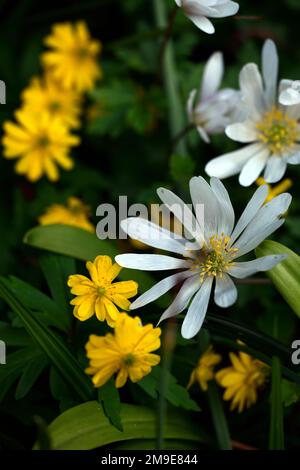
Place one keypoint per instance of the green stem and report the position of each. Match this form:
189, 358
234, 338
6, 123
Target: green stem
276, 438
218, 417
176, 113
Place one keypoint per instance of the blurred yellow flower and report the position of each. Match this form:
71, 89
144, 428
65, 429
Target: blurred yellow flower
74, 213
277, 189
127, 353
204, 371
99, 295
40, 142
242, 380
72, 59
46, 94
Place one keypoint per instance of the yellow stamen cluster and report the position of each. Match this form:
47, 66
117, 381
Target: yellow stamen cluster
216, 257
277, 131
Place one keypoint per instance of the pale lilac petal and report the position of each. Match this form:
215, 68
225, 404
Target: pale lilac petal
231, 163
248, 268
226, 212
270, 71
252, 90
244, 132
159, 289
212, 75
182, 299
203, 23
150, 262
203, 195
253, 168
275, 169
225, 291
197, 310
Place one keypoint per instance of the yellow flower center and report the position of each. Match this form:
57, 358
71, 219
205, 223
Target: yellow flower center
129, 359
277, 131
216, 257
101, 290
43, 142
54, 106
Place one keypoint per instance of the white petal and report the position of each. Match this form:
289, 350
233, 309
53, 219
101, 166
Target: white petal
150, 262
250, 211
203, 23
190, 105
270, 71
289, 97
203, 195
258, 237
182, 299
242, 270
203, 134
159, 289
275, 169
152, 235
231, 163
178, 3
294, 159
268, 214
226, 212
252, 90
254, 167
244, 132
212, 75
197, 310
225, 291
225, 9
181, 212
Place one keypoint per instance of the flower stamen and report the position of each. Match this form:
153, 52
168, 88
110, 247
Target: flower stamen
277, 131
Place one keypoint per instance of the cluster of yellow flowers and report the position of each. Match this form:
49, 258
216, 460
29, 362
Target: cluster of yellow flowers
242, 380
41, 138
127, 352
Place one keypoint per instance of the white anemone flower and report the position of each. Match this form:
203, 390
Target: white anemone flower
291, 95
210, 257
198, 11
214, 108
271, 129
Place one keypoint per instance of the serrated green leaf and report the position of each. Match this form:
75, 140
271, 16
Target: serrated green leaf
86, 427
50, 343
286, 275
109, 398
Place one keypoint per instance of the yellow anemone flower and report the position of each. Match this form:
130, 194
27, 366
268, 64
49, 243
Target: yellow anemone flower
204, 371
99, 295
46, 94
126, 353
275, 190
242, 380
72, 59
40, 143
74, 213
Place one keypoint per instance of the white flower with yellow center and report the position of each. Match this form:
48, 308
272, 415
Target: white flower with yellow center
271, 129
214, 109
198, 11
210, 256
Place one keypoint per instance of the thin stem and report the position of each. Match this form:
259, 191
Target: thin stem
176, 112
166, 37
168, 344
181, 135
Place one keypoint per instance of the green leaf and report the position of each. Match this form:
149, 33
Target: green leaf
176, 394
109, 397
49, 342
14, 336
83, 245
276, 439
218, 416
286, 275
57, 269
16, 363
86, 427
290, 392
181, 168
49, 311
31, 373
